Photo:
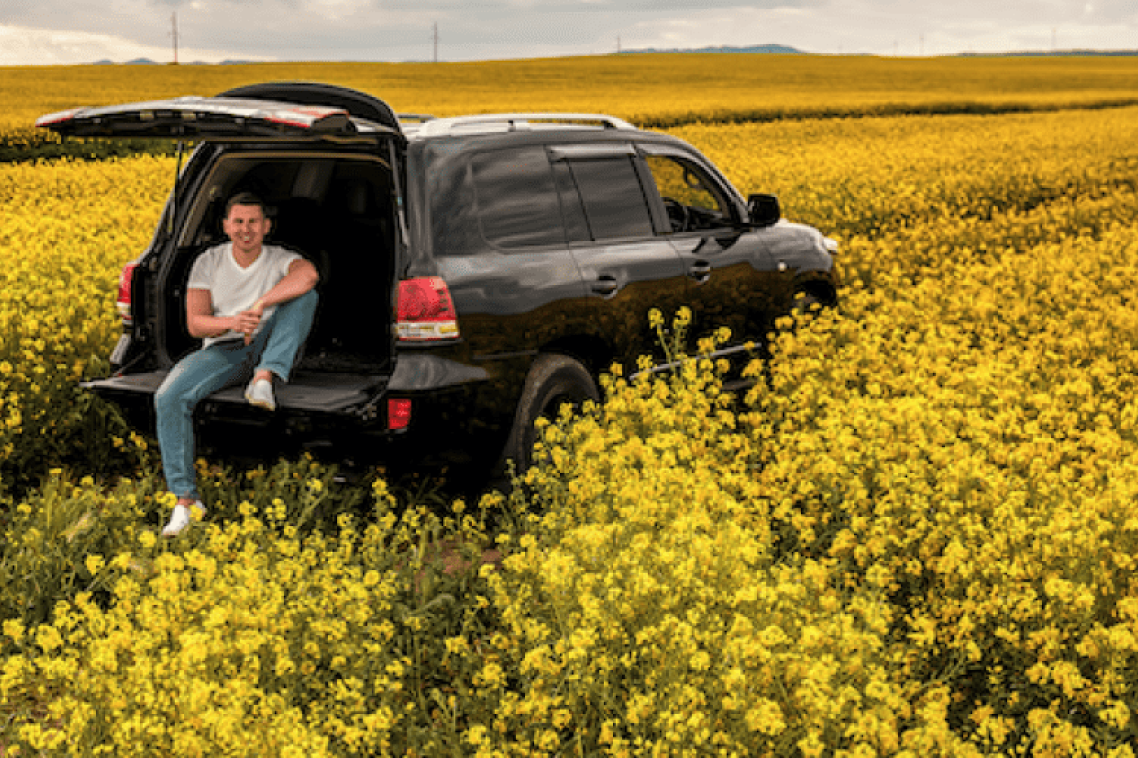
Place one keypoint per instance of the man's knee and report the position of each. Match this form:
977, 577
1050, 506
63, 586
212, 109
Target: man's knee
309, 300
167, 393
169, 400
164, 401
302, 309
301, 305
181, 390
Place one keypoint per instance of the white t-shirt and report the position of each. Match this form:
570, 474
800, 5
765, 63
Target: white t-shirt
234, 289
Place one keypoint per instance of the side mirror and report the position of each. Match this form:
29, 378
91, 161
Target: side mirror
764, 210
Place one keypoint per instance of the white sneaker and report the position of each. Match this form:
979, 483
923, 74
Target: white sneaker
260, 393
183, 516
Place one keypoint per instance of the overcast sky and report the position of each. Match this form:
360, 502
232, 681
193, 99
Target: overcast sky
84, 31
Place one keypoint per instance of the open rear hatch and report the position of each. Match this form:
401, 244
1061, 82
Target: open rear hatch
245, 112
195, 117
288, 112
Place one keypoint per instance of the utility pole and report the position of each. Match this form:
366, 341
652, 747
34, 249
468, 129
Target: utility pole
174, 34
435, 37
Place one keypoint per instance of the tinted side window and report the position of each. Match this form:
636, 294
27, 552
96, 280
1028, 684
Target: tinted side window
576, 227
517, 203
614, 201
692, 199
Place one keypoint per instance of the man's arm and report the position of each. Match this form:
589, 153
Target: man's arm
202, 323
301, 277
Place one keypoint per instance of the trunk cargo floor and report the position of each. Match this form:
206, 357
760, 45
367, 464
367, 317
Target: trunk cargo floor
308, 391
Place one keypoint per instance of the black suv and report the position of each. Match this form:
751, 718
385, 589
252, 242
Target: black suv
476, 272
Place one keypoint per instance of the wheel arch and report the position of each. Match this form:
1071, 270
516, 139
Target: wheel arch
819, 288
592, 351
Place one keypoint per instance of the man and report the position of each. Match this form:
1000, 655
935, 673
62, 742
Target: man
253, 305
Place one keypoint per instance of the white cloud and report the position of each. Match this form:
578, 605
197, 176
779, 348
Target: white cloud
337, 10
21, 46
363, 30
804, 28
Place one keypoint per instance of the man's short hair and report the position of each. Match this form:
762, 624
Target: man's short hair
246, 198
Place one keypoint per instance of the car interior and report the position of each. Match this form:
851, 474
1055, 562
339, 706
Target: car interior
338, 212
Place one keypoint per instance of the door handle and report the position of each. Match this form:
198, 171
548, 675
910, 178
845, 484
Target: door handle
605, 285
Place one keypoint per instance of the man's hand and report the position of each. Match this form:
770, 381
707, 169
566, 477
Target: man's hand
246, 322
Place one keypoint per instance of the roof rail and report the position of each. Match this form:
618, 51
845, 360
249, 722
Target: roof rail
513, 122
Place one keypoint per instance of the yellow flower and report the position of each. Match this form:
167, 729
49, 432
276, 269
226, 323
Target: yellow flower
48, 638
14, 630
94, 564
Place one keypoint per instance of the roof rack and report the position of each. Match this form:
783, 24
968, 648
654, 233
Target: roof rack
513, 122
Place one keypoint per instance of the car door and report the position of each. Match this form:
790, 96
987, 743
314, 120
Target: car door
627, 267
732, 281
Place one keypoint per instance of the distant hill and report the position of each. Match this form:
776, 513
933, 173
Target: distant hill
1053, 54
148, 62
786, 50
135, 62
765, 49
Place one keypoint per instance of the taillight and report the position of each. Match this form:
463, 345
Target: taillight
123, 301
398, 413
424, 311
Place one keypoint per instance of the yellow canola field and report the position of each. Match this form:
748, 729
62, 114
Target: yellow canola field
65, 231
876, 175
947, 463
658, 89
916, 536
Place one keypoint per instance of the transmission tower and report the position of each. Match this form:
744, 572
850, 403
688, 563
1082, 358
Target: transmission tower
174, 34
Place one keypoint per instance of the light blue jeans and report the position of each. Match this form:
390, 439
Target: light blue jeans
221, 365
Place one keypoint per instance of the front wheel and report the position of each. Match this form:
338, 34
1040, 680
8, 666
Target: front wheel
553, 381
806, 302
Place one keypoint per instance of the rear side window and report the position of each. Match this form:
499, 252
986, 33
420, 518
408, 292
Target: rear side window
518, 206
614, 202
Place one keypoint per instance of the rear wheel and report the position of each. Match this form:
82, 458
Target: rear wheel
553, 381
806, 302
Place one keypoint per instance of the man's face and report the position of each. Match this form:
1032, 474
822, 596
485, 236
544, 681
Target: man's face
246, 226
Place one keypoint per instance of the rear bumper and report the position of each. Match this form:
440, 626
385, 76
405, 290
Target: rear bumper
460, 414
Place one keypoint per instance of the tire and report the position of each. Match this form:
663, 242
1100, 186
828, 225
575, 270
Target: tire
804, 305
553, 380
